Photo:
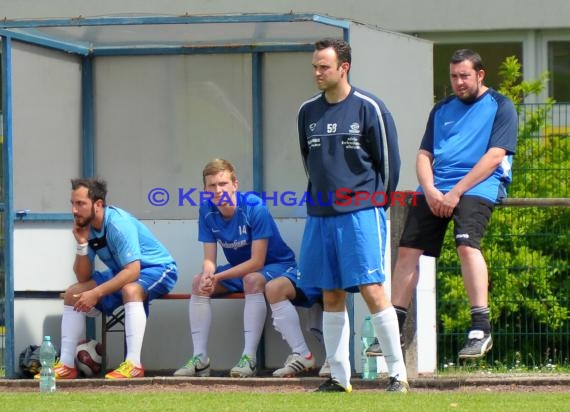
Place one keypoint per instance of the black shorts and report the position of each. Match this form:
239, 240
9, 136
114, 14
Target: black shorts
425, 231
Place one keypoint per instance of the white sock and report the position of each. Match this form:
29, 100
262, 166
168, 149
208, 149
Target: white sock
254, 313
388, 332
286, 321
135, 324
336, 333
72, 330
200, 313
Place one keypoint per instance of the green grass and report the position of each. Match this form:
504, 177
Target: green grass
181, 401
497, 368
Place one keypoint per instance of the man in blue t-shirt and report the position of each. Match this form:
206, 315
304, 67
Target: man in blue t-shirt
139, 269
257, 256
349, 147
463, 167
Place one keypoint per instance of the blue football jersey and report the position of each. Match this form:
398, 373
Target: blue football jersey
458, 134
251, 221
347, 147
124, 239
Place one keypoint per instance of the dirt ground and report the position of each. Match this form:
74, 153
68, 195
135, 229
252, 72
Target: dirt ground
549, 384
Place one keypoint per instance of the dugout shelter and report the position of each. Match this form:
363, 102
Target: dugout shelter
144, 102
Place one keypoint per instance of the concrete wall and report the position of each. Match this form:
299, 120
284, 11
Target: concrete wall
46, 106
405, 86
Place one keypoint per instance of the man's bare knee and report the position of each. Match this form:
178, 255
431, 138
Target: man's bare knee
254, 283
133, 292
334, 300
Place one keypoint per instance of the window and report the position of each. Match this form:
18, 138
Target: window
559, 68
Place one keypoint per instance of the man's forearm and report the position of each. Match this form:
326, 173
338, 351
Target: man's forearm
82, 268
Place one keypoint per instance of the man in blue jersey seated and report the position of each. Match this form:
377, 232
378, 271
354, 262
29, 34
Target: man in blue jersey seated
349, 147
463, 167
258, 261
139, 269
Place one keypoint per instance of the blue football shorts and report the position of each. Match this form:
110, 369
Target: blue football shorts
155, 281
306, 297
343, 251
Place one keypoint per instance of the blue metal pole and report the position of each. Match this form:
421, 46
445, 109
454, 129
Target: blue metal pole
87, 144
257, 120
8, 207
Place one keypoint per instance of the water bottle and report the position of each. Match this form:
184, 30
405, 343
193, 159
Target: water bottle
367, 336
47, 359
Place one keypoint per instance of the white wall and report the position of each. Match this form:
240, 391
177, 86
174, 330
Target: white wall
289, 76
46, 111
55, 243
190, 110
426, 333
387, 65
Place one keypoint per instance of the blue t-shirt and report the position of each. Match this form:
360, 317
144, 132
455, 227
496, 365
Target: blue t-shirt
458, 134
126, 240
350, 146
251, 221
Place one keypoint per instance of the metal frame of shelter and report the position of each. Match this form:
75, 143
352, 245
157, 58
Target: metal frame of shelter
131, 36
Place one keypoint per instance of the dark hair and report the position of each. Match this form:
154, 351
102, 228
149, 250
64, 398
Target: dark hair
96, 188
467, 54
341, 48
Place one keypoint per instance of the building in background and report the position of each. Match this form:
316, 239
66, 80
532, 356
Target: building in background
538, 33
